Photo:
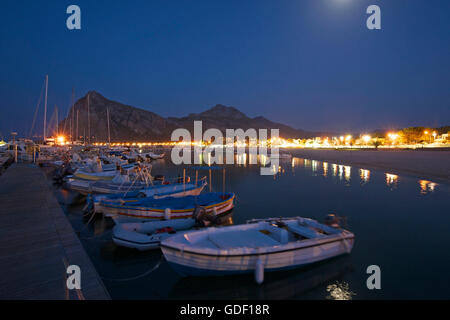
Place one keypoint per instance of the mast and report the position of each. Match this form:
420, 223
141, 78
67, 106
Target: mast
45, 107
77, 126
73, 116
109, 132
57, 126
89, 121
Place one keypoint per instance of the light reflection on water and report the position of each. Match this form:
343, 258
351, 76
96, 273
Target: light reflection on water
339, 291
427, 186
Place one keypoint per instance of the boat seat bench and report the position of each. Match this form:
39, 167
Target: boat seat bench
305, 232
249, 238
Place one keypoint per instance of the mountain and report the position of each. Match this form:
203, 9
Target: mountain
129, 123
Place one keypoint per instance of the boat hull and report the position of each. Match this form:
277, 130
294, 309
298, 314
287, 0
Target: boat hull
196, 264
122, 214
132, 215
144, 236
274, 244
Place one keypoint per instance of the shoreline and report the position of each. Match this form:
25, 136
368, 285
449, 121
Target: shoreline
427, 165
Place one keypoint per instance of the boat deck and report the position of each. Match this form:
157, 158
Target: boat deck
37, 241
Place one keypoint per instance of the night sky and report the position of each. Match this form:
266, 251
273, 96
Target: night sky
311, 64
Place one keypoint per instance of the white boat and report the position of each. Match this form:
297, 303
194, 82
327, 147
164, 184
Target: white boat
102, 172
95, 176
148, 235
258, 246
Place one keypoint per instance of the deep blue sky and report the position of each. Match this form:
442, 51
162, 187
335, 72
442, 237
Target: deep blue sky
311, 64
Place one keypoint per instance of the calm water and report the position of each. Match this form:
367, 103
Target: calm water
401, 224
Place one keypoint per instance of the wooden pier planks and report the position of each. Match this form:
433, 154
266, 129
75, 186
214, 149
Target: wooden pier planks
36, 240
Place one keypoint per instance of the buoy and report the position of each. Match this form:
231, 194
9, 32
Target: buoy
259, 271
167, 214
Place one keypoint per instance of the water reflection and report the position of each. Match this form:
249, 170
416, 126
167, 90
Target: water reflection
325, 169
364, 175
347, 172
277, 285
427, 186
339, 291
307, 163
314, 165
334, 166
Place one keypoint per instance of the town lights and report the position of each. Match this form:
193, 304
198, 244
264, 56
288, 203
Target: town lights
392, 136
61, 140
366, 138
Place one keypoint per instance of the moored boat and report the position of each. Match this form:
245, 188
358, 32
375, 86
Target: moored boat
258, 246
148, 235
158, 191
136, 209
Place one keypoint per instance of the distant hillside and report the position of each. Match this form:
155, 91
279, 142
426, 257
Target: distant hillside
129, 123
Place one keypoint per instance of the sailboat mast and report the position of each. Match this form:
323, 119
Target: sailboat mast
57, 125
109, 132
77, 126
45, 107
73, 116
89, 121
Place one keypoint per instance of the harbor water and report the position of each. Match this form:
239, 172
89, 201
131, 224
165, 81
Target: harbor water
400, 223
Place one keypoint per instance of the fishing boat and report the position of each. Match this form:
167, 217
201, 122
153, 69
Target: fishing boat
158, 190
121, 182
102, 172
258, 246
137, 209
148, 235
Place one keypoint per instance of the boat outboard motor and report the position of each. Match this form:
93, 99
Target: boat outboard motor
334, 220
202, 217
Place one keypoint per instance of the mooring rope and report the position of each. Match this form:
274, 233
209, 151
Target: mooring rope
156, 266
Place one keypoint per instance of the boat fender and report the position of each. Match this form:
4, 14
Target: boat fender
259, 271
167, 214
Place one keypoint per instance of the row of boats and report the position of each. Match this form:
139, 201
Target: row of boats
178, 216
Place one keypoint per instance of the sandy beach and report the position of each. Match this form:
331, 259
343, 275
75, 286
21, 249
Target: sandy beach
428, 165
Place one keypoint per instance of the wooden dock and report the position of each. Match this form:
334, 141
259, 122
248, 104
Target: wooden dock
37, 241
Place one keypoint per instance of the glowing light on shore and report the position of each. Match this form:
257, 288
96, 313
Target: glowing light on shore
61, 140
392, 136
366, 138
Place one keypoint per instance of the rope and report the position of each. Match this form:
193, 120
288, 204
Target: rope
156, 266
36, 111
89, 221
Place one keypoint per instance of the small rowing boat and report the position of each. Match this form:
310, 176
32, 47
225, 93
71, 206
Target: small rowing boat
258, 246
148, 235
